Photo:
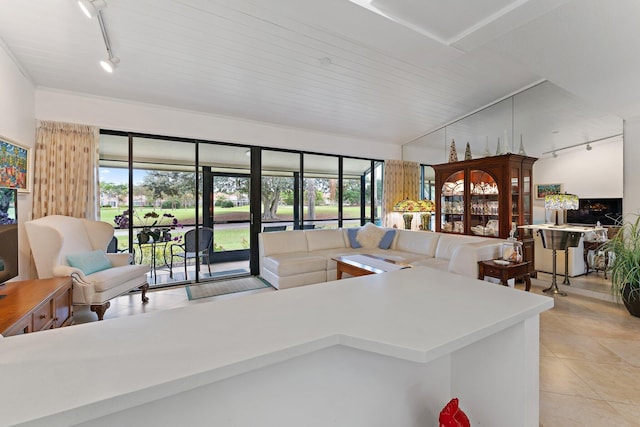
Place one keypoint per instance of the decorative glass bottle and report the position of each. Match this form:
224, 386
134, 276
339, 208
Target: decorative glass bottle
512, 249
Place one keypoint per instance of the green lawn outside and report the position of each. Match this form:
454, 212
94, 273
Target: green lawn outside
187, 215
225, 239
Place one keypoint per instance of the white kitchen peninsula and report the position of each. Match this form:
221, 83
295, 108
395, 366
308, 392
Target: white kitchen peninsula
378, 350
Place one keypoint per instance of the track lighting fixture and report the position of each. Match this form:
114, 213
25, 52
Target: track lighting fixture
91, 7
588, 145
109, 64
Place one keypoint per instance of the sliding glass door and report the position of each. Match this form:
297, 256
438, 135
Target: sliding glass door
161, 193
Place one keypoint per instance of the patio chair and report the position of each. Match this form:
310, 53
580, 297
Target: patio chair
191, 249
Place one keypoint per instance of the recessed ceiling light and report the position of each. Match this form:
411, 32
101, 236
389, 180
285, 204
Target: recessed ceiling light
324, 61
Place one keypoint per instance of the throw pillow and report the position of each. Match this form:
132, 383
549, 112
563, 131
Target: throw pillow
352, 233
387, 239
89, 262
370, 235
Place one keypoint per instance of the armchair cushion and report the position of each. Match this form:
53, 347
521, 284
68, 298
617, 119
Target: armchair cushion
103, 280
89, 262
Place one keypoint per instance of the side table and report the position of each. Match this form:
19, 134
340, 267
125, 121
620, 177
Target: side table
505, 272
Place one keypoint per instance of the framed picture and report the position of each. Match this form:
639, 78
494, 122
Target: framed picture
544, 189
15, 165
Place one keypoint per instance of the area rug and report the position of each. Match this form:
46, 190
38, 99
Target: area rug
211, 289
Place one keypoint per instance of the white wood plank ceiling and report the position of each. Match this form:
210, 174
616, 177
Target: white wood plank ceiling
390, 71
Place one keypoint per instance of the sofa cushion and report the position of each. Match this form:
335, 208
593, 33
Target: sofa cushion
353, 233
370, 235
447, 243
437, 263
419, 242
294, 263
324, 239
465, 257
279, 242
328, 254
387, 239
89, 262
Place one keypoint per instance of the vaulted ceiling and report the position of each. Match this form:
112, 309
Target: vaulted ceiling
386, 70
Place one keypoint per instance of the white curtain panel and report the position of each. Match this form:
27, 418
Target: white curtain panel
66, 170
401, 181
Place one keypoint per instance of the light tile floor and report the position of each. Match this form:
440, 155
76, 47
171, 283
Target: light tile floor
589, 353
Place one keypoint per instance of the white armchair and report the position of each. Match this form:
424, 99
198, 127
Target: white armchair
53, 238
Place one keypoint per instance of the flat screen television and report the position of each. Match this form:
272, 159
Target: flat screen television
8, 234
590, 211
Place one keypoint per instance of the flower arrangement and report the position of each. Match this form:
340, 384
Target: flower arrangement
6, 219
159, 233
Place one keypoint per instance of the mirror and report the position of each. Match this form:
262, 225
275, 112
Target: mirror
547, 120
482, 131
544, 117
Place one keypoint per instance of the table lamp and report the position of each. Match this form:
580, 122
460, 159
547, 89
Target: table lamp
427, 207
560, 202
405, 206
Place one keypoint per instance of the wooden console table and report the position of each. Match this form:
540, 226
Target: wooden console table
505, 272
35, 305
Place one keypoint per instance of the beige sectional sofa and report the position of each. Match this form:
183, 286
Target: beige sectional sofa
303, 257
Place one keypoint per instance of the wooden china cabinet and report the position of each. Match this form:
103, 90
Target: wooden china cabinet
487, 197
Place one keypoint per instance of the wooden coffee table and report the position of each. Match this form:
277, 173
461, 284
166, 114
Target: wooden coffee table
514, 270
363, 264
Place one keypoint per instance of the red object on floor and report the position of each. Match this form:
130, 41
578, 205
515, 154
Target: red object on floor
452, 416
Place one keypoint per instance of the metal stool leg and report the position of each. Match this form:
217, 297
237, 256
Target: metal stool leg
553, 289
566, 268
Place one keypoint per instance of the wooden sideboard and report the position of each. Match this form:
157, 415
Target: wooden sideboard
35, 305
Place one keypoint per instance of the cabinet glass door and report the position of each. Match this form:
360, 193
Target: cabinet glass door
527, 214
452, 203
516, 210
484, 204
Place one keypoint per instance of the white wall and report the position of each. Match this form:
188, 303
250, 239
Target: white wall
17, 118
597, 173
631, 168
136, 117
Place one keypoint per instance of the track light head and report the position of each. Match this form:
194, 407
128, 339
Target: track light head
589, 147
91, 7
109, 64
554, 154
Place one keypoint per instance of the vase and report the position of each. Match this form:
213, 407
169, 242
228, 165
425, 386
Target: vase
631, 299
143, 237
407, 221
425, 219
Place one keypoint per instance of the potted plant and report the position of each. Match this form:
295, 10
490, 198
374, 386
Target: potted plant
624, 248
148, 232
